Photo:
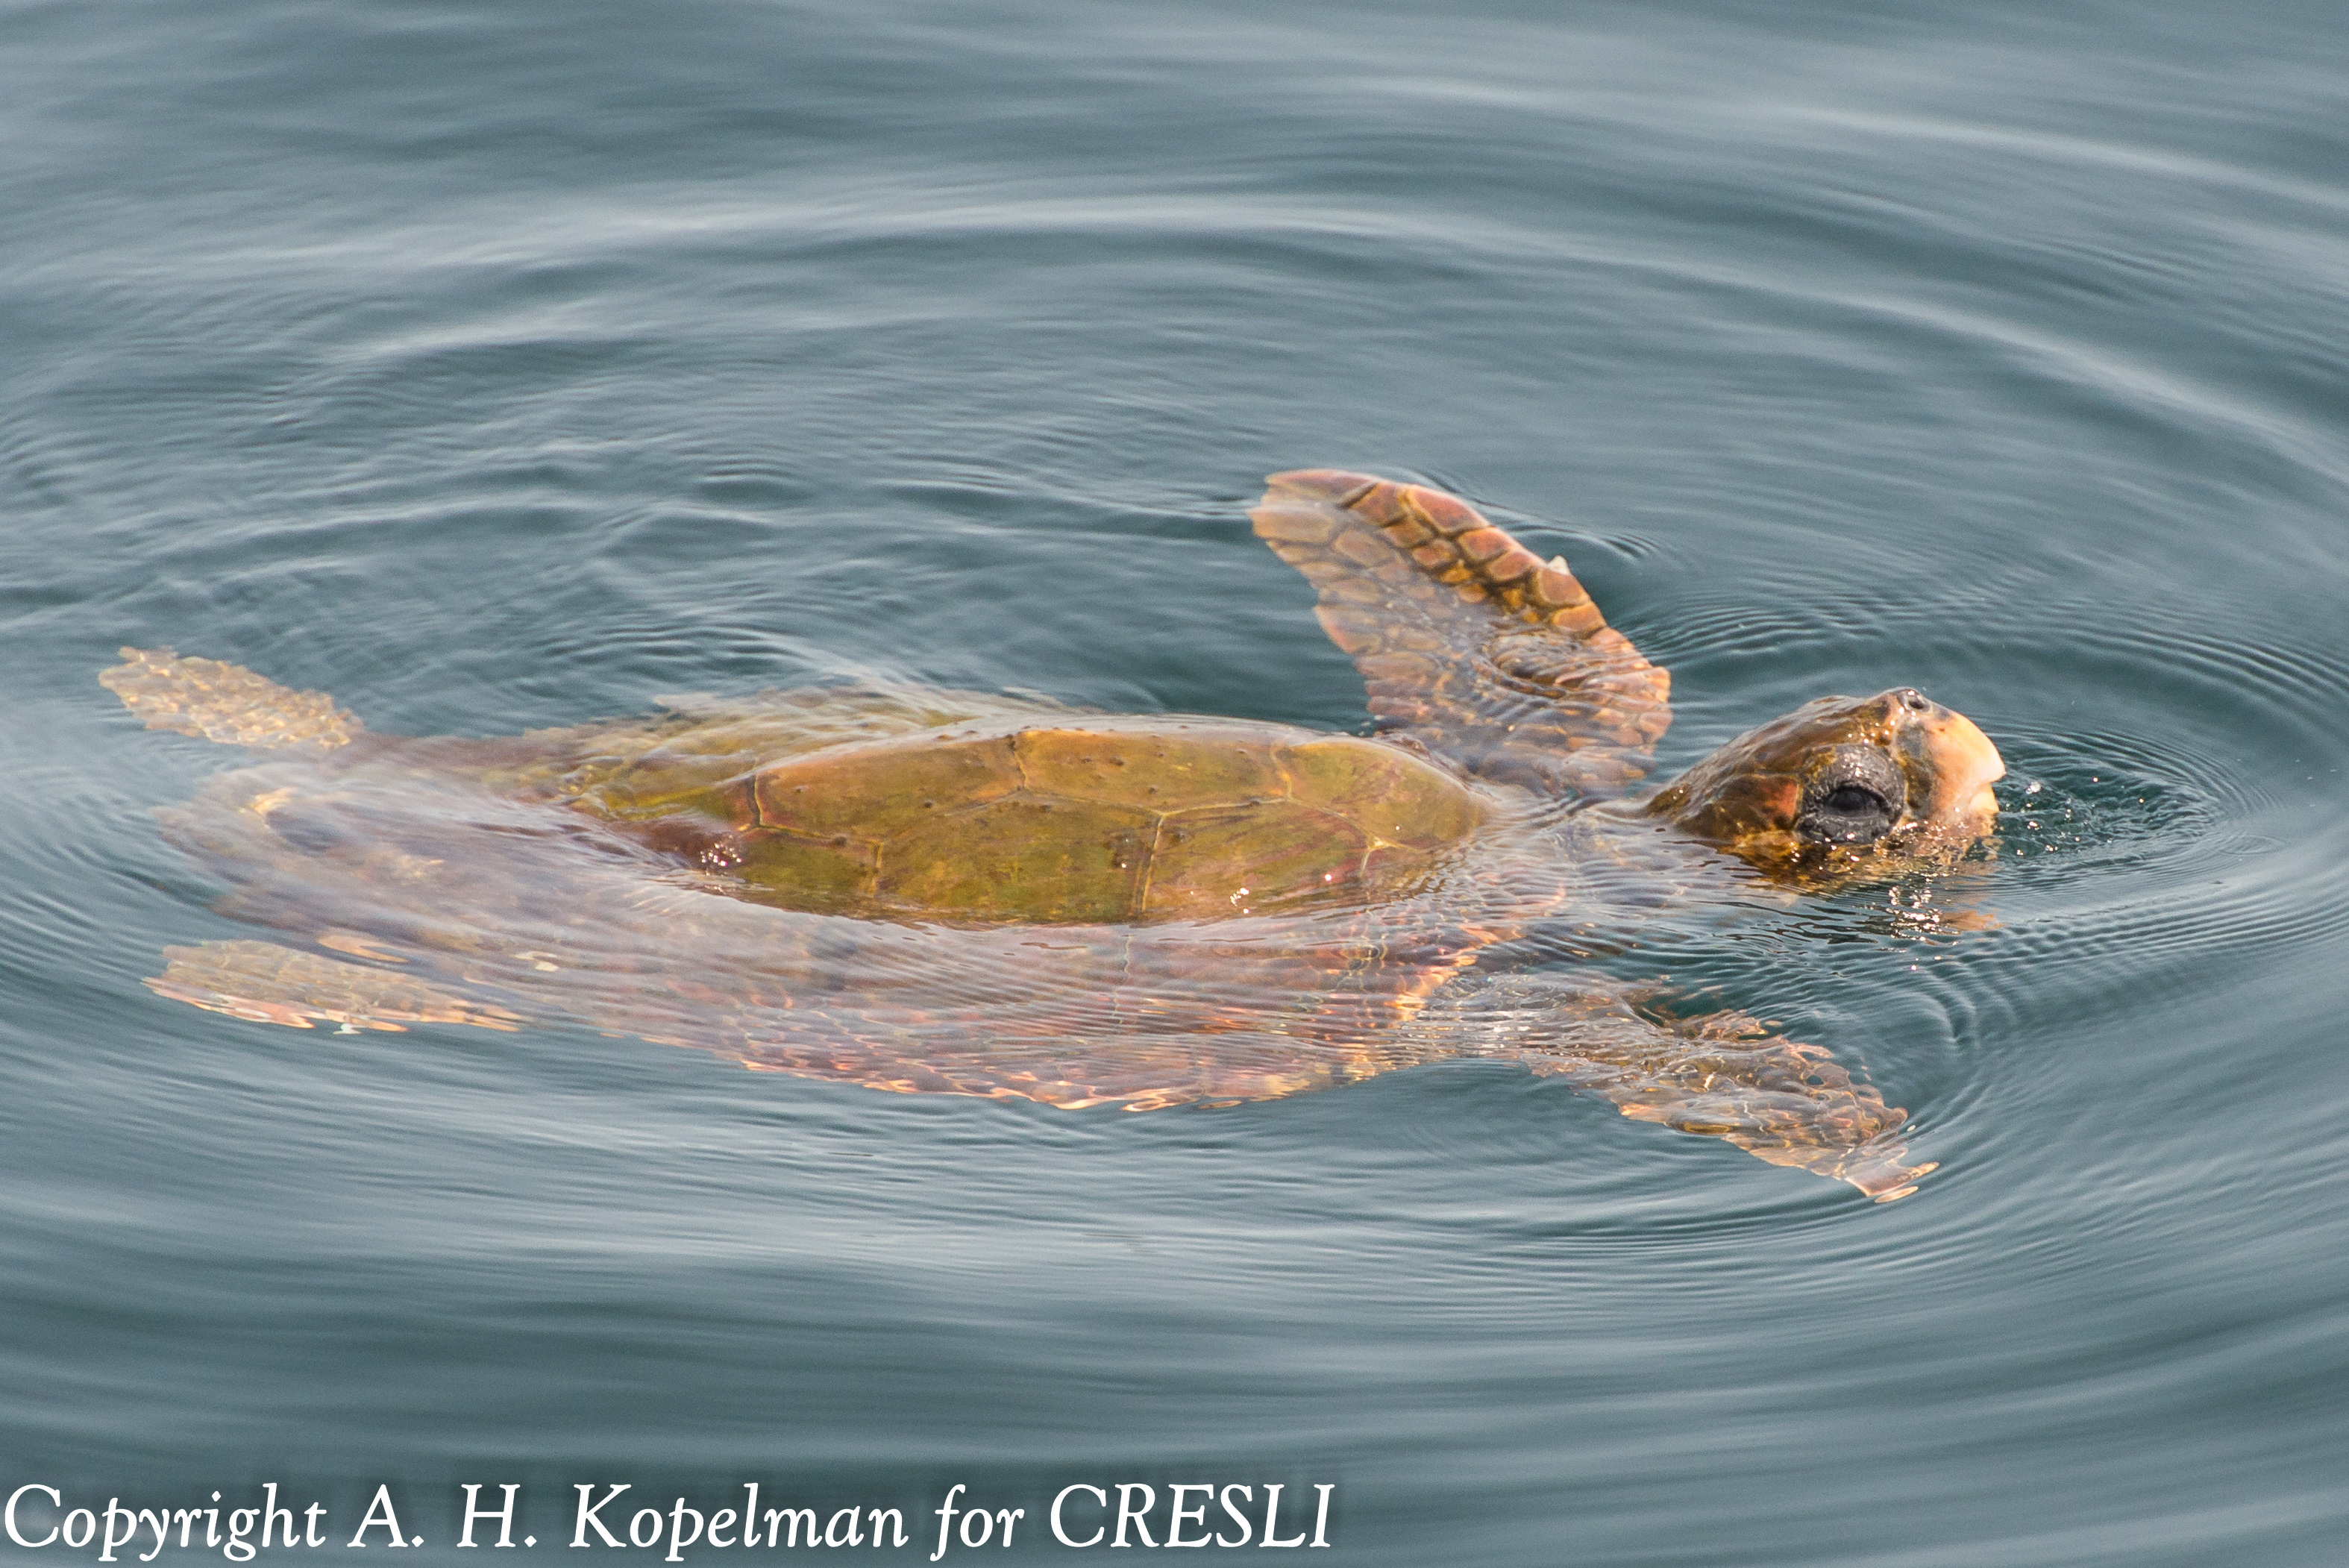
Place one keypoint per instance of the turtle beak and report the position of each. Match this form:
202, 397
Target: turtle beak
1965, 765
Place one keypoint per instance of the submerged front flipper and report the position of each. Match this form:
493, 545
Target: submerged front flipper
272, 985
1722, 1075
226, 703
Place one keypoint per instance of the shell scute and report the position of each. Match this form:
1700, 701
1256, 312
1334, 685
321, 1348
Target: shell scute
834, 872
877, 791
1028, 855
1240, 860
664, 783
1199, 765
1397, 798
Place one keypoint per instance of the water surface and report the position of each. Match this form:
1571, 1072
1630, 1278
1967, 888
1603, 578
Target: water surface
494, 369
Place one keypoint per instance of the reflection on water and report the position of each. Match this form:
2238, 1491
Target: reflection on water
502, 371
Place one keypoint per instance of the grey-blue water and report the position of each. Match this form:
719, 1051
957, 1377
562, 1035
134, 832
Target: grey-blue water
500, 366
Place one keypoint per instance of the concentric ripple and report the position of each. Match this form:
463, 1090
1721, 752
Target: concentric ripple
495, 368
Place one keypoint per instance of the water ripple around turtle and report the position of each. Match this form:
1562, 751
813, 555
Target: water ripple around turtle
499, 368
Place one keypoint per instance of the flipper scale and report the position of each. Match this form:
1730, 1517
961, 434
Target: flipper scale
1468, 641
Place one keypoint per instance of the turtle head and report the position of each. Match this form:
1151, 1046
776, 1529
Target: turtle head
1842, 783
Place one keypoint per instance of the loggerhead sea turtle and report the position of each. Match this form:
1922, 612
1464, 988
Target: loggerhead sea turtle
934, 891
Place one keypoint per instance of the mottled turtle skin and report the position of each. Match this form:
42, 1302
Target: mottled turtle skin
956, 892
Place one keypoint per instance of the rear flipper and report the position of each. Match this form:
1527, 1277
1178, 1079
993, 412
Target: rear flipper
273, 984
226, 703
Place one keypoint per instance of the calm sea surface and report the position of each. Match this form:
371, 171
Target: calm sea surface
508, 366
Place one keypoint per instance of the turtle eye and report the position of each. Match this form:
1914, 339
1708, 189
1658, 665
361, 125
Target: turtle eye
1853, 800
1850, 814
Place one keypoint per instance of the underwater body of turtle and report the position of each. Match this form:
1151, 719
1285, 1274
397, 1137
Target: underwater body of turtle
934, 891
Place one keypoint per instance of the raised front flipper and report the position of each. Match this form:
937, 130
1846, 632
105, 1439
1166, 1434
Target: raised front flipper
1467, 643
272, 985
